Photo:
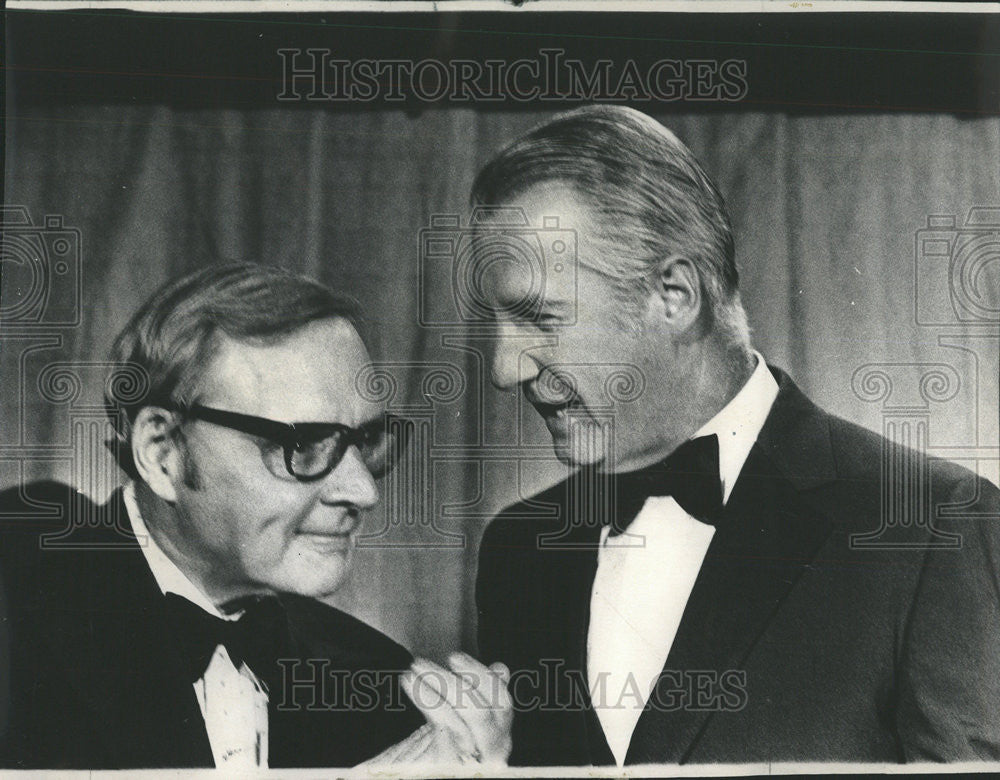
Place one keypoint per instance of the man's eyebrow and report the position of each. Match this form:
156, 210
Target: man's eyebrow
537, 305
556, 307
376, 419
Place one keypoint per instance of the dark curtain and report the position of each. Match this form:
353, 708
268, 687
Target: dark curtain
828, 213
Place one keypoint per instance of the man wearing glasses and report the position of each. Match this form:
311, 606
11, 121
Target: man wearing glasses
185, 630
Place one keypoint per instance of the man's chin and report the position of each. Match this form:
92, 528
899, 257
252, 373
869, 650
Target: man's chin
317, 574
585, 451
317, 588
565, 454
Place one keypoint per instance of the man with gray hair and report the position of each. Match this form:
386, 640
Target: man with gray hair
691, 593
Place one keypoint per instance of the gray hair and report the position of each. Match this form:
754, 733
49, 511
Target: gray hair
650, 196
175, 334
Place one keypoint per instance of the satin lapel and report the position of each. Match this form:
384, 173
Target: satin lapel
770, 534
573, 576
598, 751
129, 676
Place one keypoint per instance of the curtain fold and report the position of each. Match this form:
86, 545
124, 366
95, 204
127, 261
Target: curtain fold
828, 213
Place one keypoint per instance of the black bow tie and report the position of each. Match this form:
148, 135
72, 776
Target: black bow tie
690, 474
258, 638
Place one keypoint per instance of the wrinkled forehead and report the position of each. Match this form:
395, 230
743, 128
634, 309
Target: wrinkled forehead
548, 204
532, 245
308, 376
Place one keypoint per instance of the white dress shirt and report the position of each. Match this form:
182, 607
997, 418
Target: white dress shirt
645, 576
233, 701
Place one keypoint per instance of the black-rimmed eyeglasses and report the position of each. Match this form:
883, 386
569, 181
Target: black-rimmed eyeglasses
310, 451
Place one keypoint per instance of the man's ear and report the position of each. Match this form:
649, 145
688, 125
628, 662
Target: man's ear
157, 456
678, 288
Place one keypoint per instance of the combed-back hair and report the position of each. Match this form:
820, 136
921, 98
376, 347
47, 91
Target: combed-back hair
161, 354
647, 192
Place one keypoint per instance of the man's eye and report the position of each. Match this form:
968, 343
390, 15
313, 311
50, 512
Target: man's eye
273, 455
268, 447
313, 449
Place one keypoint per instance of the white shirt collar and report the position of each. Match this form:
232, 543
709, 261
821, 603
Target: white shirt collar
740, 421
170, 578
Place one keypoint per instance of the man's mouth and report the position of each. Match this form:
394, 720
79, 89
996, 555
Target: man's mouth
327, 542
331, 535
557, 410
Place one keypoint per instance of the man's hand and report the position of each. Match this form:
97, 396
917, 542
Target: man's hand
470, 703
426, 745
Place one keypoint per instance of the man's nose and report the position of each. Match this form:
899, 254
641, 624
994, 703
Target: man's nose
510, 367
351, 482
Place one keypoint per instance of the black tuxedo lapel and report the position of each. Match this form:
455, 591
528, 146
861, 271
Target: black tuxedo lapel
145, 711
579, 579
771, 531
573, 579
535, 610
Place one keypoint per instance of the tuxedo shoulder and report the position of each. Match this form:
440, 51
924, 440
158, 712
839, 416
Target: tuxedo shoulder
42, 516
354, 639
858, 450
860, 453
29, 511
520, 523
28, 498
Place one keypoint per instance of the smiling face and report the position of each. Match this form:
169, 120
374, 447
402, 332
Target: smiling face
244, 529
569, 353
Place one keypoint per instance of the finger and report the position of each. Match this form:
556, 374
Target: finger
501, 670
456, 690
501, 706
480, 683
489, 728
465, 663
492, 680
490, 720
427, 686
490, 686
440, 700
389, 754
444, 750
397, 752
414, 749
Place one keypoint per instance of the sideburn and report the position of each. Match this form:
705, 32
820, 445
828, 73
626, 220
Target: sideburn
191, 475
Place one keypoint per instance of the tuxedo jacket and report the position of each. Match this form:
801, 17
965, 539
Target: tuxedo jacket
838, 616
91, 670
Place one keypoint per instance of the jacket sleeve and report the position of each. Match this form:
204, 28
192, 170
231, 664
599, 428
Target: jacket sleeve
949, 673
